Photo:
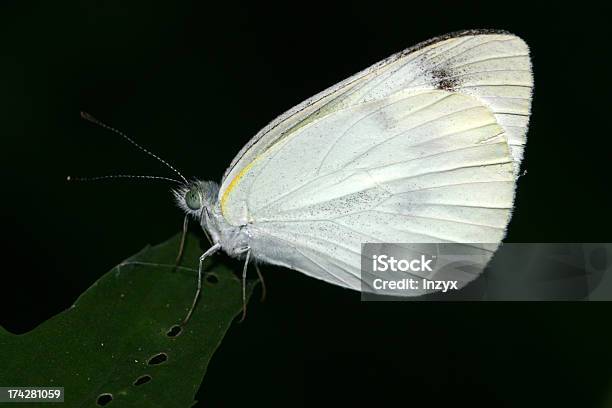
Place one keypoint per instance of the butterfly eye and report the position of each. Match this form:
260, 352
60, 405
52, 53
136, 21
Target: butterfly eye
193, 200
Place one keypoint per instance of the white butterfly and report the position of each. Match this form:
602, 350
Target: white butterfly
422, 147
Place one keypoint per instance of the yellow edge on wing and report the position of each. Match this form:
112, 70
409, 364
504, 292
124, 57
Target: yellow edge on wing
244, 171
291, 132
234, 183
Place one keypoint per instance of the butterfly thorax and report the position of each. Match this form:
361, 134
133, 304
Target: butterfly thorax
199, 200
234, 240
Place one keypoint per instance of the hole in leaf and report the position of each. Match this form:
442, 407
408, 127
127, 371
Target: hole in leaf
174, 331
211, 278
104, 399
142, 380
158, 359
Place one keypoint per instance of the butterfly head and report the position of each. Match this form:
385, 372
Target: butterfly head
197, 195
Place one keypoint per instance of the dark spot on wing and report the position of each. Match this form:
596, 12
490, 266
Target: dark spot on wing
442, 79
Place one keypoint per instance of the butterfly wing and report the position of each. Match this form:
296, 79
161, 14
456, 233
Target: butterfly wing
416, 149
492, 66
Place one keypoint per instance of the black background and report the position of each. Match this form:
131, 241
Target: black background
193, 81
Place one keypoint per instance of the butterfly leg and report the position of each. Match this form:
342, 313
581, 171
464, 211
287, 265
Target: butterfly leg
205, 255
244, 273
182, 244
202, 224
263, 283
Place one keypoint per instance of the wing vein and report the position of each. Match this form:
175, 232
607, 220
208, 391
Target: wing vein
489, 59
430, 218
402, 133
380, 167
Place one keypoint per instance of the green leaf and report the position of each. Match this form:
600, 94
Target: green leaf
106, 340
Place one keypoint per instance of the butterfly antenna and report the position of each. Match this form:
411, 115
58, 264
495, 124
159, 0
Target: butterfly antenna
93, 120
122, 176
